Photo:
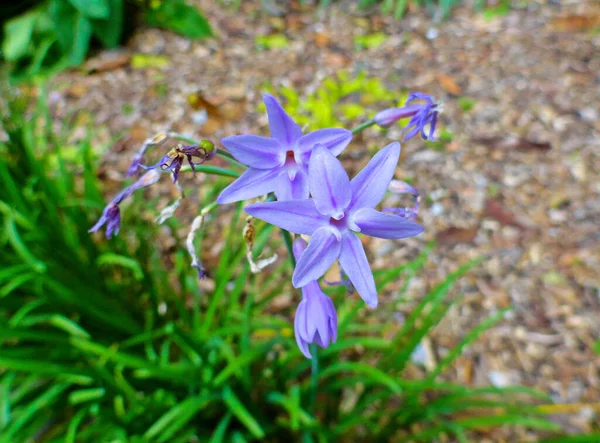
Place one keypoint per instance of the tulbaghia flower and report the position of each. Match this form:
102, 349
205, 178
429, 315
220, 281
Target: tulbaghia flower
316, 319
422, 114
173, 161
278, 163
338, 210
112, 213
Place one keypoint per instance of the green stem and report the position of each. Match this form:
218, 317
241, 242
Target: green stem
287, 239
363, 126
314, 376
214, 170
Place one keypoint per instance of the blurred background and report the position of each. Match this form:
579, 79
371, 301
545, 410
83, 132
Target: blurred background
487, 328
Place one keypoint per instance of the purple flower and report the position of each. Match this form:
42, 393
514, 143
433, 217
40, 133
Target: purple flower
316, 319
278, 163
112, 213
340, 208
174, 159
422, 114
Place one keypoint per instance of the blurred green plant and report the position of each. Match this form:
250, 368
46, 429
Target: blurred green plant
337, 100
56, 34
102, 342
398, 8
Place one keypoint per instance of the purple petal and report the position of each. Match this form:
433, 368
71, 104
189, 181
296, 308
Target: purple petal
378, 224
322, 251
255, 151
334, 140
300, 329
388, 117
252, 183
432, 124
333, 320
353, 261
297, 216
328, 183
419, 96
296, 189
283, 128
298, 247
369, 186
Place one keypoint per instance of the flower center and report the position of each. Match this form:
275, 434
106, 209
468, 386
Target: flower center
290, 165
341, 224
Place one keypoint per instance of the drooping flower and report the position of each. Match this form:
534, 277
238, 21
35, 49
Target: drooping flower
174, 159
316, 318
338, 210
422, 114
278, 163
157, 140
111, 216
400, 187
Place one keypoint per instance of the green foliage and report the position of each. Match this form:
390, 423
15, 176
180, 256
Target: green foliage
337, 101
102, 341
274, 41
370, 40
466, 104
59, 33
179, 17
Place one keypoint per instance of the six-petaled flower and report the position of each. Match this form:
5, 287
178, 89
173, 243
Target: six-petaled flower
278, 163
338, 210
422, 114
112, 213
316, 318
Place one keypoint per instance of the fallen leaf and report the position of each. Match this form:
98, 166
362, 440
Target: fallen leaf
449, 84
454, 235
321, 40
496, 210
197, 101
518, 143
572, 23
143, 61
108, 61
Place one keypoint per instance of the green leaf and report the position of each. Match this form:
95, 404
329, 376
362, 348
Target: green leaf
238, 409
18, 33
179, 17
110, 31
120, 260
81, 43
73, 30
98, 9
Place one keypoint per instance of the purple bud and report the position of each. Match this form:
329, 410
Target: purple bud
388, 117
316, 319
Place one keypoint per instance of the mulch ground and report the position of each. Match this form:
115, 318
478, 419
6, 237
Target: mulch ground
517, 184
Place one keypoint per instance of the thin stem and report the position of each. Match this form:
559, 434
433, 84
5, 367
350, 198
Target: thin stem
287, 239
214, 170
314, 376
363, 126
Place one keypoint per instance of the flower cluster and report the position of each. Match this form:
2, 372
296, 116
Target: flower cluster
315, 197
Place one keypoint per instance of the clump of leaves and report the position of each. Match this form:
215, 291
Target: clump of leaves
56, 34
